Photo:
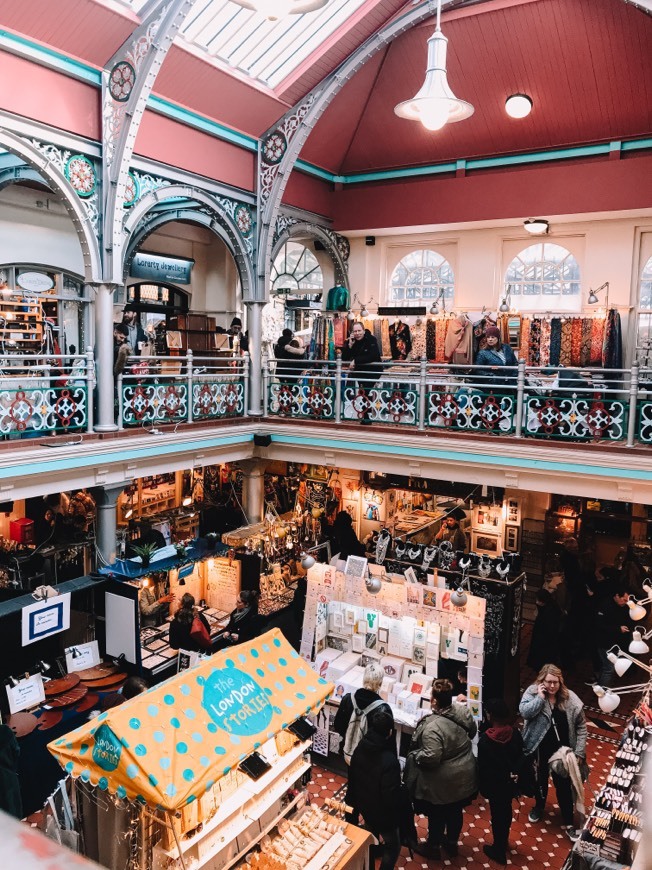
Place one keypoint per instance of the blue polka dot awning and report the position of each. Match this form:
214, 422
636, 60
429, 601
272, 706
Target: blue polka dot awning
168, 746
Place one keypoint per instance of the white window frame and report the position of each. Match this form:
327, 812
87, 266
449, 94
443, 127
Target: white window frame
421, 300
540, 303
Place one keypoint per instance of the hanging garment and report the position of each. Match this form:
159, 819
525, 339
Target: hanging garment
612, 345
330, 341
544, 348
400, 340
525, 340
576, 341
597, 333
555, 340
338, 299
384, 344
441, 328
431, 340
339, 331
565, 342
458, 345
535, 341
585, 351
418, 339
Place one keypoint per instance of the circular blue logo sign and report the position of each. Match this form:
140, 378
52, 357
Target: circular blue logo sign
107, 749
236, 703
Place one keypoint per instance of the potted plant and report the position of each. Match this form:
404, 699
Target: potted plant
145, 551
180, 547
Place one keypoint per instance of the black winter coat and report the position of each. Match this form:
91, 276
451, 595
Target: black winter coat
363, 697
365, 354
180, 635
375, 782
498, 759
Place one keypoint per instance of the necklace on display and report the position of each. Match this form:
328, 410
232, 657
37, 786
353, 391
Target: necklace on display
399, 548
446, 555
502, 569
415, 552
428, 556
383, 542
484, 566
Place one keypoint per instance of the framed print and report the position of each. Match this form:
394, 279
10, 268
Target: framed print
513, 511
511, 538
486, 544
487, 517
356, 566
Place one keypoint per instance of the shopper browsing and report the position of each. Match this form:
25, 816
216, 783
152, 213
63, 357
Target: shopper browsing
440, 770
362, 354
495, 357
356, 708
500, 748
613, 627
375, 784
244, 622
186, 627
554, 717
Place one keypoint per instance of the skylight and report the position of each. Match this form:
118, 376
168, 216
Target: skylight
266, 51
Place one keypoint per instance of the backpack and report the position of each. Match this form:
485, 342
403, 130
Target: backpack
357, 727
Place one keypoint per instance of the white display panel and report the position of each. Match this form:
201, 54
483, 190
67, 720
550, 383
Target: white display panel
121, 626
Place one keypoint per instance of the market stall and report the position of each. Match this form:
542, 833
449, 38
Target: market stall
172, 758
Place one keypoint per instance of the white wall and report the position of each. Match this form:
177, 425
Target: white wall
607, 249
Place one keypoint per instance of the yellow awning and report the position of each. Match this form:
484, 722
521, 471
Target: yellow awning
169, 745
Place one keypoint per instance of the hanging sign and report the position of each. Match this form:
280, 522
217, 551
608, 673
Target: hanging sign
154, 267
45, 618
35, 282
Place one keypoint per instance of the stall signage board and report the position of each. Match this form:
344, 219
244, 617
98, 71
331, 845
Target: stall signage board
35, 282
45, 618
223, 583
154, 267
82, 656
28, 693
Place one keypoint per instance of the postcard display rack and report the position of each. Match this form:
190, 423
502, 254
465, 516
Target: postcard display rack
407, 628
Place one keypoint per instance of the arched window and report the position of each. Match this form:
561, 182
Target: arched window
419, 278
296, 270
544, 277
644, 333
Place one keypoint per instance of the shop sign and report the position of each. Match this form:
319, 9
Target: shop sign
107, 749
154, 267
45, 618
236, 703
35, 282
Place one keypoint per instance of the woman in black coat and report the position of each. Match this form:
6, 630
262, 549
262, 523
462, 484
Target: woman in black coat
495, 357
181, 626
375, 785
244, 622
345, 541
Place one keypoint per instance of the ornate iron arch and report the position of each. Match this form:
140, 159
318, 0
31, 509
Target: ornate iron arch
54, 178
203, 209
14, 174
336, 246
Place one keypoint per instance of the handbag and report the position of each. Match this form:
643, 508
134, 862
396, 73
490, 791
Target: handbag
199, 634
559, 769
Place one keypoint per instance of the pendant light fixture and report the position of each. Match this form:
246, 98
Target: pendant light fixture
275, 9
435, 105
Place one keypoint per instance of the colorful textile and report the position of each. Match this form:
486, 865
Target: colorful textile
585, 351
384, 343
441, 330
535, 341
556, 340
418, 340
339, 331
431, 340
612, 347
525, 340
576, 341
544, 351
597, 333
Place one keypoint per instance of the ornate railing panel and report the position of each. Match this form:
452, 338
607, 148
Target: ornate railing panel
43, 410
386, 404
213, 399
314, 400
154, 403
471, 411
645, 422
575, 417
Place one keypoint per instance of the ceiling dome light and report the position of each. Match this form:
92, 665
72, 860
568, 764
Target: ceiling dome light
518, 106
435, 105
536, 226
275, 9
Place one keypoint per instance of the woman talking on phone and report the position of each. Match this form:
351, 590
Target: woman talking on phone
554, 717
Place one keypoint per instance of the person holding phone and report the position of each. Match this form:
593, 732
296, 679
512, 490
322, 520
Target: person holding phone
554, 717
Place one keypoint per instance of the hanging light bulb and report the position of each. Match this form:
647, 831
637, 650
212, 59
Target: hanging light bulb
435, 105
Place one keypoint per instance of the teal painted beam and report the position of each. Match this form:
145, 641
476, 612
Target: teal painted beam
68, 65
199, 122
461, 456
77, 462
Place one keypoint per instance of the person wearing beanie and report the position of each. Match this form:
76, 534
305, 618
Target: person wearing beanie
450, 531
494, 357
290, 353
235, 331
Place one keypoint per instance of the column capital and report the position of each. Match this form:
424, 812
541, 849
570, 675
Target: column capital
107, 496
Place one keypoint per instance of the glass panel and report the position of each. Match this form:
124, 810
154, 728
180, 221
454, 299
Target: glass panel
424, 274
538, 273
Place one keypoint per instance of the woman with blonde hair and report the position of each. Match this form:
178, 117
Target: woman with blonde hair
554, 717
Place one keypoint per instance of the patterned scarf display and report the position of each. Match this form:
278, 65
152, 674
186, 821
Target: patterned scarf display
576, 341
555, 340
431, 341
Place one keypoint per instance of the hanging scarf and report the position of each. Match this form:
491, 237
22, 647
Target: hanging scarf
555, 340
525, 340
418, 340
338, 332
597, 332
441, 330
330, 340
535, 341
612, 348
431, 344
576, 341
544, 350
585, 351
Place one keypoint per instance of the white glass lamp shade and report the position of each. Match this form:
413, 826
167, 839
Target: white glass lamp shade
621, 666
636, 611
275, 9
609, 702
459, 598
536, 226
435, 104
638, 646
518, 106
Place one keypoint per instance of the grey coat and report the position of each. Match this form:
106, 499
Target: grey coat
537, 713
440, 767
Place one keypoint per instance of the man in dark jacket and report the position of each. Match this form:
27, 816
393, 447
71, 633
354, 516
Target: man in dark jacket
375, 785
613, 626
362, 354
500, 748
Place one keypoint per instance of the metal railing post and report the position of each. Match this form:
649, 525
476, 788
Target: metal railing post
633, 402
265, 361
121, 424
246, 363
189, 375
423, 392
90, 388
520, 394
338, 387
